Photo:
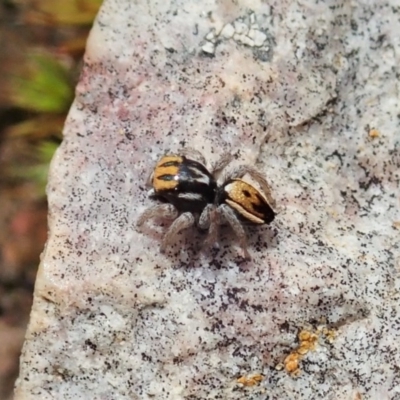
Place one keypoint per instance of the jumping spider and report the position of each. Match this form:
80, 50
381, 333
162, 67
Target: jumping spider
193, 197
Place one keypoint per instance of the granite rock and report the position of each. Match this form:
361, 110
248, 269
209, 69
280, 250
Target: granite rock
306, 91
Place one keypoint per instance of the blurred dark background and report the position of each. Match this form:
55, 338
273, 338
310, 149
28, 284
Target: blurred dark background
41, 47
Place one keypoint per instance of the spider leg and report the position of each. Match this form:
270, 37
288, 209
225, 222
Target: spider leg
193, 154
167, 211
210, 219
205, 216
257, 176
219, 165
184, 221
149, 179
233, 221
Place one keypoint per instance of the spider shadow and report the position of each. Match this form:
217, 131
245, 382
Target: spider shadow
226, 252
189, 251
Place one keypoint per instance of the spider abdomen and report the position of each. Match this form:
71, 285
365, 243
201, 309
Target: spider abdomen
185, 183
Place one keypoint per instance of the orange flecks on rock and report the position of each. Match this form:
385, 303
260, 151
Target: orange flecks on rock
291, 363
308, 342
374, 133
396, 224
330, 334
250, 380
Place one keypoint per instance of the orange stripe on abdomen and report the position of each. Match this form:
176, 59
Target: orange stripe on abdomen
166, 173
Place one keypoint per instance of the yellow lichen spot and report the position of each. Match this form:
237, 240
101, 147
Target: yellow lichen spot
303, 349
250, 380
292, 363
374, 133
330, 334
308, 342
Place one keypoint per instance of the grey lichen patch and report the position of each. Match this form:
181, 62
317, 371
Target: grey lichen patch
244, 31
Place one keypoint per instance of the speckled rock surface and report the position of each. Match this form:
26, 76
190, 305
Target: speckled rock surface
307, 91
